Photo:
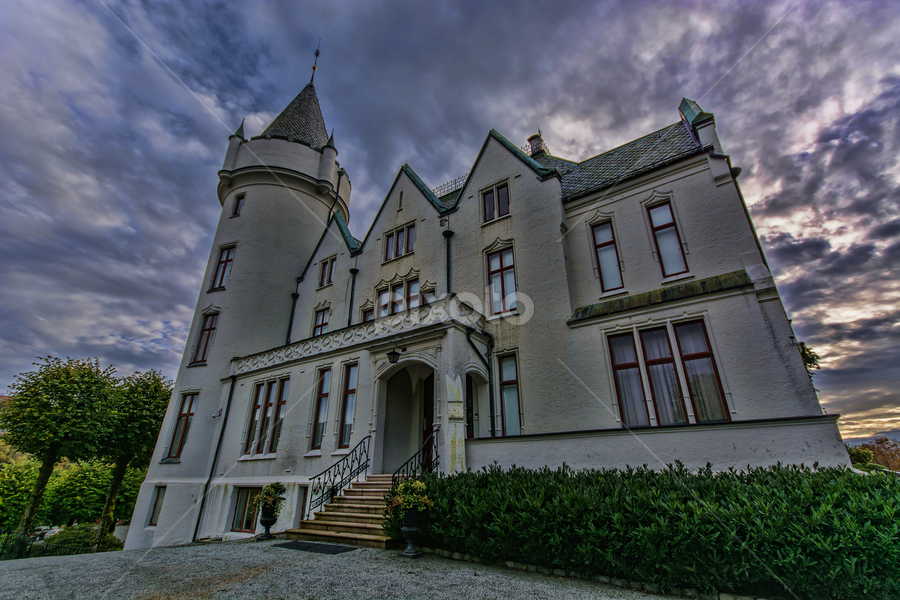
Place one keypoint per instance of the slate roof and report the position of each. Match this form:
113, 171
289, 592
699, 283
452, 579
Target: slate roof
607, 169
301, 121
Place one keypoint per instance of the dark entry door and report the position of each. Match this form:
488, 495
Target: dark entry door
428, 416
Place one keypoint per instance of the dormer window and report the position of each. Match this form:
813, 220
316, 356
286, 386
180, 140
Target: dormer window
326, 271
399, 242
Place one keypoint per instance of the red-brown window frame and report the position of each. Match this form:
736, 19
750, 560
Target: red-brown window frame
254, 421
410, 239
320, 328
503, 292
622, 366
597, 248
661, 361
238, 205
326, 271
243, 513
698, 355
383, 309
506, 383
207, 334
347, 391
368, 314
389, 247
496, 208
321, 394
399, 243
655, 230
410, 297
186, 414
159, 494
395, 305
223, 268
267, 404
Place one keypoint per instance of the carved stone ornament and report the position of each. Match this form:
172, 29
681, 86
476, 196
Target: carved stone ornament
442, 311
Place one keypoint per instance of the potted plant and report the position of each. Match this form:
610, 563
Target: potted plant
269, 502
410, 503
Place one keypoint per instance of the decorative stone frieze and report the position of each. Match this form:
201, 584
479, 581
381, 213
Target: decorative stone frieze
443, 311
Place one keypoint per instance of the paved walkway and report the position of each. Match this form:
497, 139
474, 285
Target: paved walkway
260, 571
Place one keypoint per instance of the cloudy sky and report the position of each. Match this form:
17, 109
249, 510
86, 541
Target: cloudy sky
114, 120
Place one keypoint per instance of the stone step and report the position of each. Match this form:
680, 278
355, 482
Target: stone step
369, 493
350, 539
341, 526
369, 509
367, 500
370, 485
333, 516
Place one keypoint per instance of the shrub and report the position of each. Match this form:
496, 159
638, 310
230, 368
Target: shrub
822, 533
859, 456
81, 537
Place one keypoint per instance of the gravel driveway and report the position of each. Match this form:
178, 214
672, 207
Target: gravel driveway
261, 571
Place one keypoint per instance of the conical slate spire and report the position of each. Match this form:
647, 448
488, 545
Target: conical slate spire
301, 121
240, 130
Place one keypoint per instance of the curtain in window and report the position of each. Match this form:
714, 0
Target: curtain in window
632, 405
663, 377
670, 251
700, 370
509, 395
607, 260
349, 406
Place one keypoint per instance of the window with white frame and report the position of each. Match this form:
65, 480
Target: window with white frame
326, 271
667, 240
399, 242
502, 280
509, 395
649, 358
607, 255
266, 417
495, 202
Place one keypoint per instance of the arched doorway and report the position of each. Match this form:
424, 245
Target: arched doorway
408, 414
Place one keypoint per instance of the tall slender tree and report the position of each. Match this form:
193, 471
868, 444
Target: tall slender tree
139, 407
61, 409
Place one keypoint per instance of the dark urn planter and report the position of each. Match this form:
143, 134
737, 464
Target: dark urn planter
412, 531
267, 519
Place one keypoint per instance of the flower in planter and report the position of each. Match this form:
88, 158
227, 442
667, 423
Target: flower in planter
270, 497
409, 494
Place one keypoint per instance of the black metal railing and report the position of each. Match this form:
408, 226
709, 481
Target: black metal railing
425, 460
329, 483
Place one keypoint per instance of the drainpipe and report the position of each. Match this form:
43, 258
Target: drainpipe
294, 297
215, 460
447, 233
353, 273
490, 370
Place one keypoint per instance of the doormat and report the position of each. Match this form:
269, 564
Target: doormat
317, 548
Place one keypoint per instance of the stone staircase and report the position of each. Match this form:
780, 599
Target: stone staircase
352, 518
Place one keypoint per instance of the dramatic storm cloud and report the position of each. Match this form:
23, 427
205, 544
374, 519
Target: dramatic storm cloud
115, 117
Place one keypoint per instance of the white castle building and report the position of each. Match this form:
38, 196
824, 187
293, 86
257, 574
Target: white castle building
539, 311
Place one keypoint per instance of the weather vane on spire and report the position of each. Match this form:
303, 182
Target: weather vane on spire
315, 61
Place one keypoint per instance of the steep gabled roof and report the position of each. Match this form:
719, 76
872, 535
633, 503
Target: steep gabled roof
607, 169
301, 121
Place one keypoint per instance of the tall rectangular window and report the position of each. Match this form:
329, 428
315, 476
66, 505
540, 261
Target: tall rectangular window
389, 246
412, 293
704, 384
368, 315
502, 277
244, 513
348, 407
223, 268
401, 242
159, 494
410, 238
321, 324
238, 205
267, 406
207, 334
495, 202
284, 386
665, 388
253, 423
182, 425
509, 395
321, 413
384, 297
627, 375
397, 298
326, 271
668, 243
607, 257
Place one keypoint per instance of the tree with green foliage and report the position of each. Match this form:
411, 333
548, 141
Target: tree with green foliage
61, 409
16, 482
859, 457
810, 359
140, 405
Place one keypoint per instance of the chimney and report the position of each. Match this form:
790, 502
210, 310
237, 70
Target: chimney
537, 144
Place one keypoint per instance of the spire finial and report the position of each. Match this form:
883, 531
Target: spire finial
315, 61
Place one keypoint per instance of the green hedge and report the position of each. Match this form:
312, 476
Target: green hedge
823, 533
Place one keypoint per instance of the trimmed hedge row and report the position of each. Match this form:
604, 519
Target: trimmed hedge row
821, 533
